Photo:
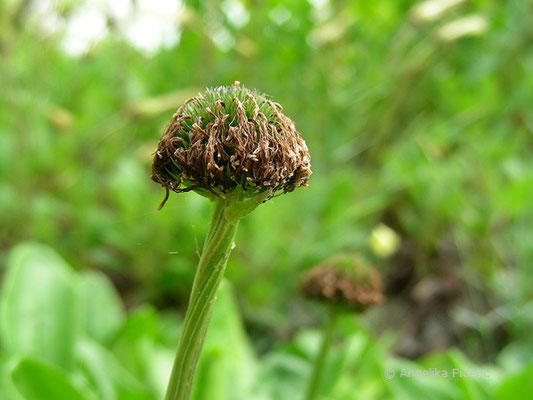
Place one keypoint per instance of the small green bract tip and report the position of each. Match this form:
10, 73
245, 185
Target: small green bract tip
231, 139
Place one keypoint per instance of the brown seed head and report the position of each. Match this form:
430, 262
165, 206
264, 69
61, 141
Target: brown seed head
231, 138
346, 280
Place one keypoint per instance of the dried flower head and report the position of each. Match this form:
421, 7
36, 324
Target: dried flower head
231, 138
346, 280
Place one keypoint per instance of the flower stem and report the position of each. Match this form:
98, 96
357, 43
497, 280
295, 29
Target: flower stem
218, 245
320, 361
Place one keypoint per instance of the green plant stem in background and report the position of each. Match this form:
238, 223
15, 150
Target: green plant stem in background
320, 362
209, 274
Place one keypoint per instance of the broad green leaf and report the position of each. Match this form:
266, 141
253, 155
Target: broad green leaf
363, 368
518, 386
282, 376
209, 380
136, 335
36, 380
159, 361
515, 356
227, 364
39, 305
404, 387
109, 379
140, 348
102, 309
7, 389
474, 388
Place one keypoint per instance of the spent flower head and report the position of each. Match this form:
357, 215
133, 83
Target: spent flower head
346, 280
231, 139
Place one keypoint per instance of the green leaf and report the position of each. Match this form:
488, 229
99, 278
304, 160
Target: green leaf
102, 309
515, 356
110, 380
518, 386
282, 376
39, 305
404, 387
36, 380
476, 387
7, 389
137, 333
159, 361
139, 349
227, 366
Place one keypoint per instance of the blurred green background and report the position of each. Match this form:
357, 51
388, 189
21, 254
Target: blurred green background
419, 120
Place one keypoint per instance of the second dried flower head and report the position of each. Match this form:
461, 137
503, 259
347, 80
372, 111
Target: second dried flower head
346, 280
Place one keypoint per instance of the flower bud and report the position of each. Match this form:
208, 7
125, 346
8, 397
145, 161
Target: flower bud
383, 241
345, 280
231, 140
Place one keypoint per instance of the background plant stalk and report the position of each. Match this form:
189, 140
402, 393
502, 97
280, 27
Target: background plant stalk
314, 384
217, 247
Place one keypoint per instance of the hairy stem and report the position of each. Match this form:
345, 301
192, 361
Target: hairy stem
209, 274
320, 362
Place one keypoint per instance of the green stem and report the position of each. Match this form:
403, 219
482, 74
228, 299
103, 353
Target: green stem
320, 362
208, 277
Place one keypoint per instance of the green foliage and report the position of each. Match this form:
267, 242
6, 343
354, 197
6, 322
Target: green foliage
40, 381
129, 357
517, 386
39, 281
97, 294
430, 136
407, 126
220, 376
115, 357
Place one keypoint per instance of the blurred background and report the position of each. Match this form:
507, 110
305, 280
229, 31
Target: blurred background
419, 120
